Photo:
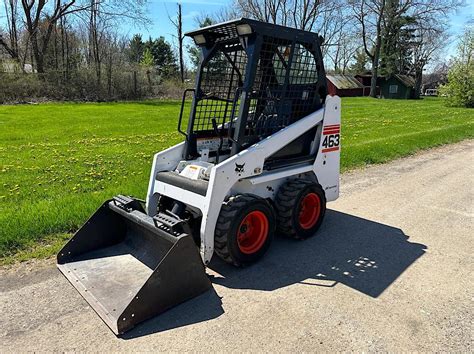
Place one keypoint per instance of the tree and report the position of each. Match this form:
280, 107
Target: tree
429, 27
136, 49
343, 50
147, 59
428, 41
40, 20
301, 14
398, 21
40, 23
359, 65
178, 24
163, 56
437, 76
397, 38
327, 18
147, 62
101, 17
460, 87
11, 45
59, 55
369, 15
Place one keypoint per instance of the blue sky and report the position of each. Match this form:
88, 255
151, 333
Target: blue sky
159, 10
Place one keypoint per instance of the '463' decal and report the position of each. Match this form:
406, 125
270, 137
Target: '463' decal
331, 138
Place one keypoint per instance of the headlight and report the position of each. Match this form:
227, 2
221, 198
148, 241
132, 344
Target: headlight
199, 39
244, 29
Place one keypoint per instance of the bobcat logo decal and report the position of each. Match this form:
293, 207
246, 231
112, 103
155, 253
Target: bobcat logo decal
239, 168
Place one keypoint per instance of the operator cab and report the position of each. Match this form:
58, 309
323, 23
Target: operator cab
254, 79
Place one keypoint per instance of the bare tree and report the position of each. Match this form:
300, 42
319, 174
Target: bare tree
101, 18
272, 11
224, 14
369, 15
84, 56
343, 42
346, 49
326, 17
332, 23
40, 23
41, 17
429, 41
178, 24
310, 15
430, 33
373, 15
11, 45
95, 33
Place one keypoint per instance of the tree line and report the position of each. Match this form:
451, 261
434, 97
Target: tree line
73, 46
384, 36
72, 50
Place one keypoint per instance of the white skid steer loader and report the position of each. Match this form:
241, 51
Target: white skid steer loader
260, 156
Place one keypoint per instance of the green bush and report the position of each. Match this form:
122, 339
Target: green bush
460, 87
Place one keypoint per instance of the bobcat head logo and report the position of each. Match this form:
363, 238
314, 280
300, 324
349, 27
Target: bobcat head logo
239, 168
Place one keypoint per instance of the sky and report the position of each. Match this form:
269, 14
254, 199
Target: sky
160, 10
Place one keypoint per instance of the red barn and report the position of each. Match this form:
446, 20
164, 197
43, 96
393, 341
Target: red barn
344, 86
365, 80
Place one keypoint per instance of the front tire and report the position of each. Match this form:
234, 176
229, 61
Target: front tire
244, 229
301, 206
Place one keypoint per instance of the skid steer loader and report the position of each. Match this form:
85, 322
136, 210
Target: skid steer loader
260, 155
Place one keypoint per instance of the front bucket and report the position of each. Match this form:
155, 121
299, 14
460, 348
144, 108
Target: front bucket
130, 268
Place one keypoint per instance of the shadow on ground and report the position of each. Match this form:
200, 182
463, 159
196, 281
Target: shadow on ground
364, 255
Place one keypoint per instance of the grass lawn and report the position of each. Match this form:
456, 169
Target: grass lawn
59, 162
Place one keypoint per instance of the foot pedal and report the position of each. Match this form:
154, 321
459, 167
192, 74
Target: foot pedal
128, 203
171, 222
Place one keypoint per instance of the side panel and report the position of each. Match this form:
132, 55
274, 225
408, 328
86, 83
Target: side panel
166, 160
327, 163
267, 185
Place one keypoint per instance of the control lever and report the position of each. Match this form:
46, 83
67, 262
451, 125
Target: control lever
221, 140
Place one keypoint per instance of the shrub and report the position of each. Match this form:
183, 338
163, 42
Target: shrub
82, 85
460, 87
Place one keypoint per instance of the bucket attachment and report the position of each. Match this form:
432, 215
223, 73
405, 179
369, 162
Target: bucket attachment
130, 267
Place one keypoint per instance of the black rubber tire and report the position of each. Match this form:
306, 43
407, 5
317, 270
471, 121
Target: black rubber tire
232, 213
288, 201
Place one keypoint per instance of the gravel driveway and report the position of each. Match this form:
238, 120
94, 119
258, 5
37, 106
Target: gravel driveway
390, 269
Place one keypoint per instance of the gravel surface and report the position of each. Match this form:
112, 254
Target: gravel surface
391, 269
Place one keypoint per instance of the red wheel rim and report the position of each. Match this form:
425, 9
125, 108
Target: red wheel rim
310, 207
252, 232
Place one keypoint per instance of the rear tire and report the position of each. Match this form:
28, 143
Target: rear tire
244, 229
300, 205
